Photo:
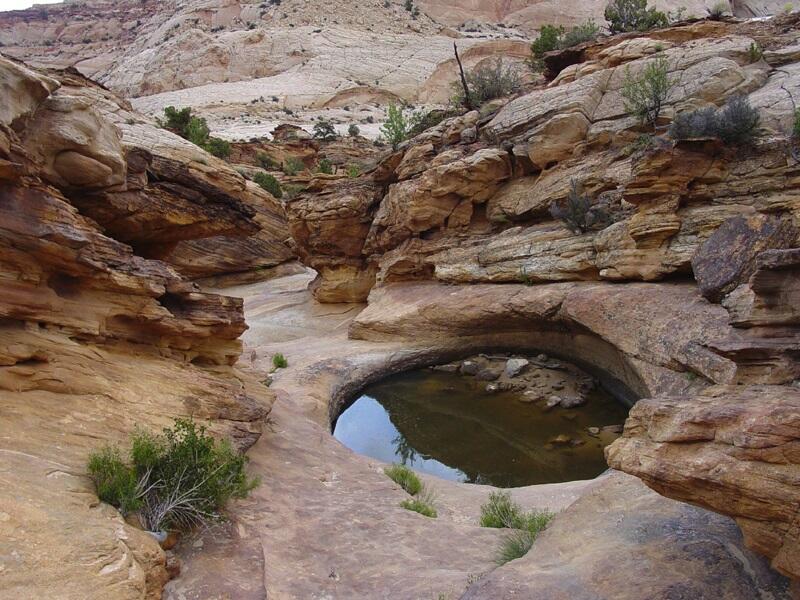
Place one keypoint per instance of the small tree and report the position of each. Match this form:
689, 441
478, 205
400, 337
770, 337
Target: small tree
644, 95
395, 129
324, 130
269, 183
633, 15
218, 147
353, 130
177, 480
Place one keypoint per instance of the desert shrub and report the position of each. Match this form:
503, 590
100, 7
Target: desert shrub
579, 34
293, 165
736, 123
633, 15
279, 361
269, 183
578, 211
195, 129
487, 82
405, 478
796, 125
264, 161
548, 40
422, 120
515, 545
353, 171
218, 147
501, 512
718, 10
553, 37
353, 130
324, 130
644, 94
177, 480
114, 481
325, 166
422, 503
754, 52
396, 127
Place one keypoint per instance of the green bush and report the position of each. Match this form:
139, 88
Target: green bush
218, 147
405, 478
735, 124
293, 165
644, 94
177, 480
422, 503
578, 212
324, 130
633, 15
502, 513
515, 545
353, 130
353, 171
264, 161
557, 38
325, 166
579, 34
754, 52
796, 126
269, 183
548, 40
487, 82
396, 127
279, 361
422, 120
195, 129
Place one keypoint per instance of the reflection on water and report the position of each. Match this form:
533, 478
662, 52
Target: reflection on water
448, 425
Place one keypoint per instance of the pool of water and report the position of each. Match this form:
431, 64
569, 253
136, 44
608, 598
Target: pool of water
448, 425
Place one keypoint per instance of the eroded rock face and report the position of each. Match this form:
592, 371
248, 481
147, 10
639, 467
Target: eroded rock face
477, 211
731, 449
95, 339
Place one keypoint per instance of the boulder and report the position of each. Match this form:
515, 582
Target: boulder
515, 366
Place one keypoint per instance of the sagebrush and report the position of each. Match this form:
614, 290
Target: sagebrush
175, 480
737, 123
488, 81
579, 212
633, 15
645, 93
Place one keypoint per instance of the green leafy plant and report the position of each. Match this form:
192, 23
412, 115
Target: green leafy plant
293, 165
324, 130
502, 513
269, 183
325, 166
487, 82
353, 171
195, 129
264, 161
353, 130
548, 40
405, 478
754, 52
553, 37
633, 15
177, 480
279, 361
644, 94
396, 127
422, 503
737, 123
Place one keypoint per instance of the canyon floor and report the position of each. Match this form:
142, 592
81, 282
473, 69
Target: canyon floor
326, 522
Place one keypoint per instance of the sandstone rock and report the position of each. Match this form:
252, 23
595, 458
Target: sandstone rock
728, 257
729, 449
515, 366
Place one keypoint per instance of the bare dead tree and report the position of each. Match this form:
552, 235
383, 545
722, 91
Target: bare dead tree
467, 97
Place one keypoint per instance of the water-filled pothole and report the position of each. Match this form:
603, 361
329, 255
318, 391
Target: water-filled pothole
446, 423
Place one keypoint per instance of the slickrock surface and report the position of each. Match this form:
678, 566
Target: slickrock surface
326, 523
95, 339
478, 211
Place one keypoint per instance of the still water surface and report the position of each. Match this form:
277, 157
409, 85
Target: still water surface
448, 425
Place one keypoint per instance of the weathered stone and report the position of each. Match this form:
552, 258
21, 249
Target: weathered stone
515, 366
728, 257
